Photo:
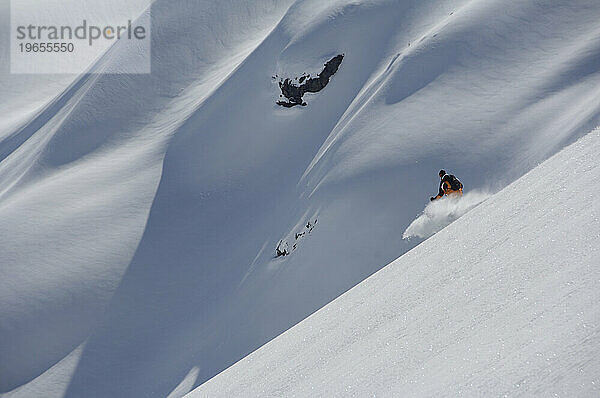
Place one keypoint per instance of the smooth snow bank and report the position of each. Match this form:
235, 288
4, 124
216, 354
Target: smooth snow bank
503, 302
443, 212
486, 89
79, 168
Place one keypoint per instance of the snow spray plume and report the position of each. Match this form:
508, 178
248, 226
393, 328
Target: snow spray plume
442, 212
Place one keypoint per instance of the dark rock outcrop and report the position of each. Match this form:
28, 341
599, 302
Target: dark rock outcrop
294, 93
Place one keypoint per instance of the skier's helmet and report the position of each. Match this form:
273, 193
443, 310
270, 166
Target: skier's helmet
442, 173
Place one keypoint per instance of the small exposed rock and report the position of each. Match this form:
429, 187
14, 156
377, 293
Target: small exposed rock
294, 92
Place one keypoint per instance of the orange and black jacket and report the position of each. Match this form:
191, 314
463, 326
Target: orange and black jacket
449, 183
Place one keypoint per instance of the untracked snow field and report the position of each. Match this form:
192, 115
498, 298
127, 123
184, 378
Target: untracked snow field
140, 213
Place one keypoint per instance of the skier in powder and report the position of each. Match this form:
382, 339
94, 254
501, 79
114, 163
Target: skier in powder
449, 185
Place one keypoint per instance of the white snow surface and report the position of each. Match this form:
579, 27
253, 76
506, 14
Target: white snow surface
139, 214
503, 302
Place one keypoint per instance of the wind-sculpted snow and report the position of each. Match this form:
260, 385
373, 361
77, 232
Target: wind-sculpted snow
442, 212
140, 214
79, 172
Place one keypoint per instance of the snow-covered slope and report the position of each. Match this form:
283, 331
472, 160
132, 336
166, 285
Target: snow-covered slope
124, 276
78, 179
503, 302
